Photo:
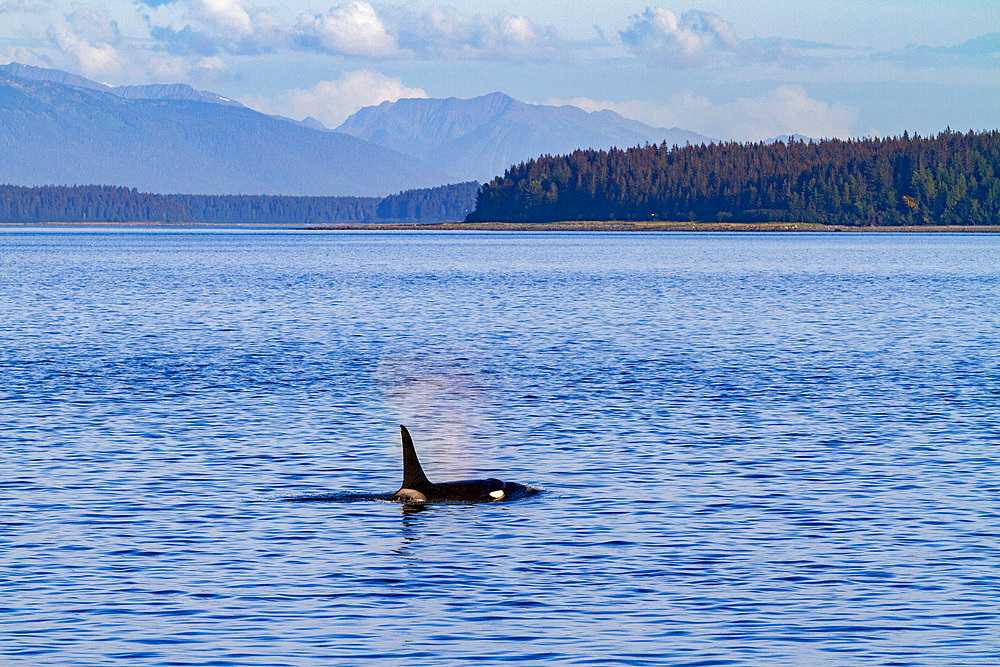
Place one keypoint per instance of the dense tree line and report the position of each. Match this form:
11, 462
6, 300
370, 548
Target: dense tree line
444, 203
953, 178
99, 203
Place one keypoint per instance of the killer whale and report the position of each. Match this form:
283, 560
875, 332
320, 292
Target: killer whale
417, 489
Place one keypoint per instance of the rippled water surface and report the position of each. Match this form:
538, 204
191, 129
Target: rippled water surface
755, 449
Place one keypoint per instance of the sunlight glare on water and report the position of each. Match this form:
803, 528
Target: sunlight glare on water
755, 449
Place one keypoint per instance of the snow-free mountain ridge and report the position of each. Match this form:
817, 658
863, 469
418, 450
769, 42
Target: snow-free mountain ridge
63, 134
479, 138
62, 128
156, 91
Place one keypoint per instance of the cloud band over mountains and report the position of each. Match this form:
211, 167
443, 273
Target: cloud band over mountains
633, 56
181, 34
354, 28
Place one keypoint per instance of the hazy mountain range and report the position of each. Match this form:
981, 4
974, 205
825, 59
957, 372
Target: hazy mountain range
60, 128
54, 133
479, 138
156, 91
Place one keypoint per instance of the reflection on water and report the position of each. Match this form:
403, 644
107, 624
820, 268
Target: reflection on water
411, 509
756, 449
410, 527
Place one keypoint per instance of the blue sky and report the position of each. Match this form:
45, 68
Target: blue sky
731, 70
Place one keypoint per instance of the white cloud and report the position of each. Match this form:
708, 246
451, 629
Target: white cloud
24, 56
517, 29
163, 68
94, 42
982, 51
358, 29
94, 56
693, 38
445, 32
784, 110
353, 29
209, 26
227, 15
25, 6
333, 101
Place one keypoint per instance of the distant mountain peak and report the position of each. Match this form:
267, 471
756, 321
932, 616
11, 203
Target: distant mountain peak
313, 124
163, 138
154, 91
478, 138
497, 98
57, 76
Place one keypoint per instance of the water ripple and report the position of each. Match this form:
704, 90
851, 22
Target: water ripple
756, 449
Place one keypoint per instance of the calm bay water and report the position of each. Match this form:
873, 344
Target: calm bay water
756, 449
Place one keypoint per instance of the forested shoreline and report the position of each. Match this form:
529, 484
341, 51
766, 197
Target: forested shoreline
102, 203
950, 179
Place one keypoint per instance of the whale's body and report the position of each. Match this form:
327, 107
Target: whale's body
416, 488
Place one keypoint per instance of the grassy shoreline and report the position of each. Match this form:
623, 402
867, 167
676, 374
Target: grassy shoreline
617, 226
570, 226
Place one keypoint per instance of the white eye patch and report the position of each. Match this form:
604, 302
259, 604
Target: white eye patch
498, 494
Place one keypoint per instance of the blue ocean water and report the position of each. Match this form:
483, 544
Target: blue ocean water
755, 449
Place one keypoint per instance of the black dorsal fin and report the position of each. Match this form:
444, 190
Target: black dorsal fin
413, 474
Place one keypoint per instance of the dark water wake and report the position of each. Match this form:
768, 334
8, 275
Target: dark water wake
519, 492
340, 497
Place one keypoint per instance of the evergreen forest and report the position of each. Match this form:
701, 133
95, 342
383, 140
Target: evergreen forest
101, 203
953, 178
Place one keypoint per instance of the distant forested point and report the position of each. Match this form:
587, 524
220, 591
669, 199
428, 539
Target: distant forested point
953, 178
104, 203
446, 203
